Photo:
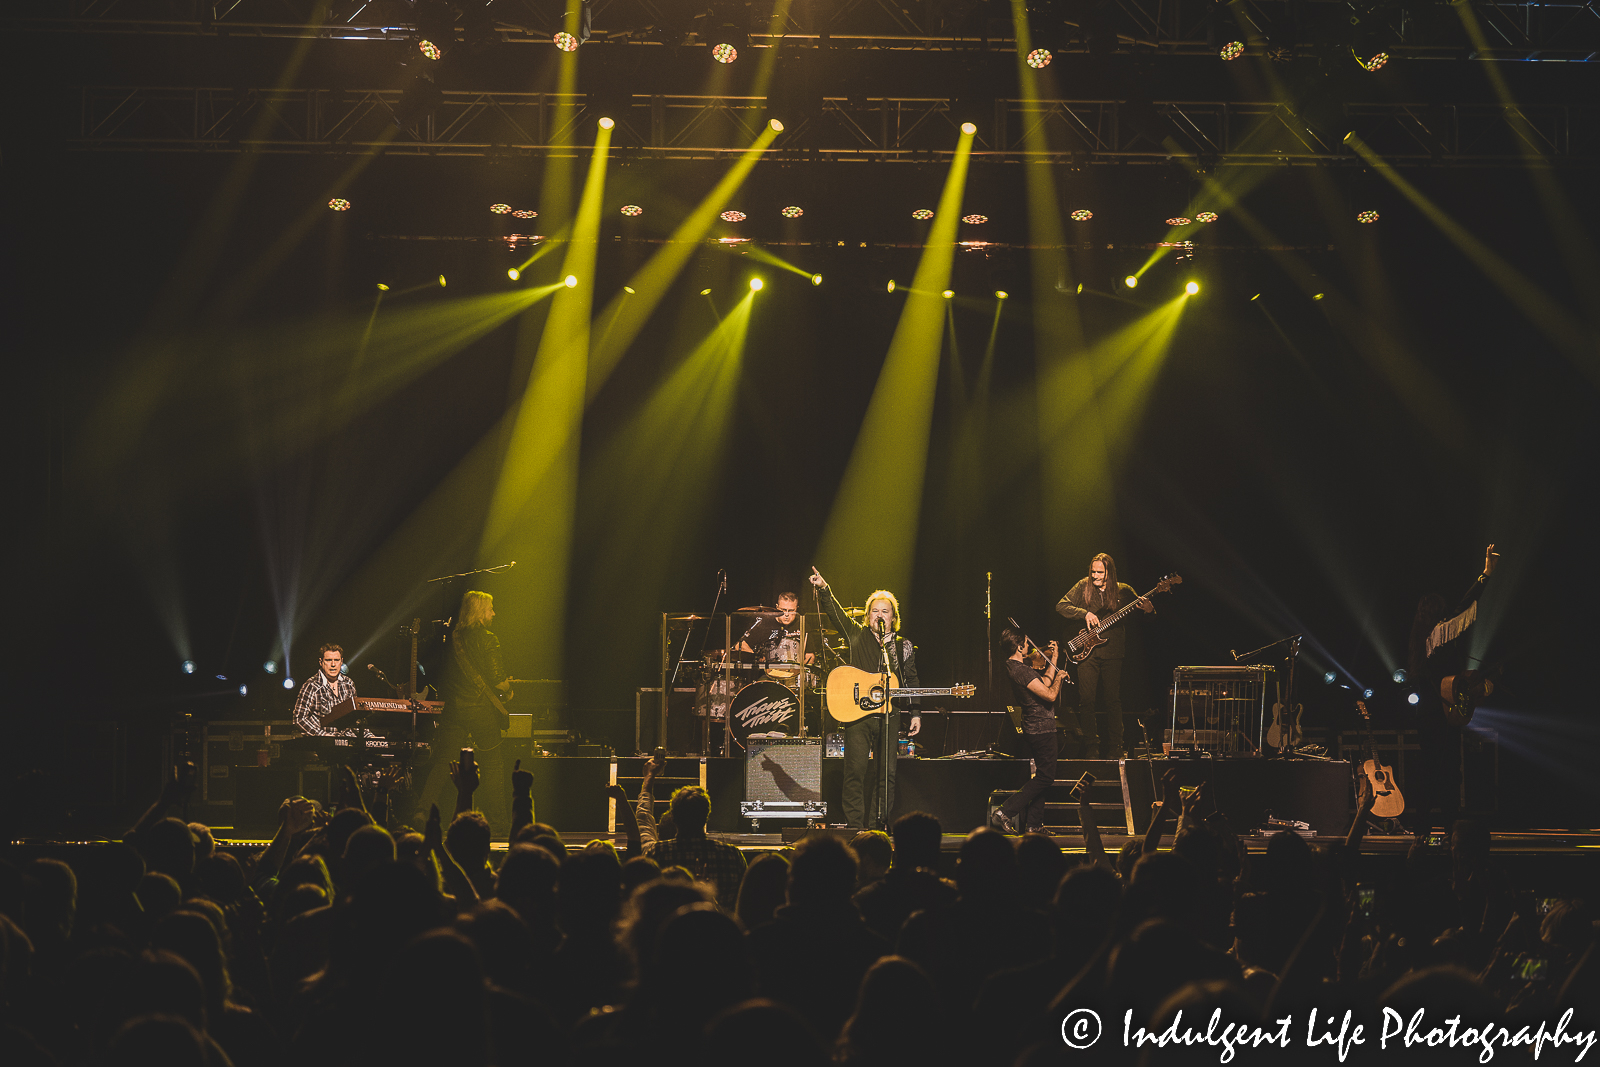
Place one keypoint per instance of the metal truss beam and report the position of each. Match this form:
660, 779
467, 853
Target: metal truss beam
882, 129
1563, 30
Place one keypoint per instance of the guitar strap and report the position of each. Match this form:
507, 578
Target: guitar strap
477, 679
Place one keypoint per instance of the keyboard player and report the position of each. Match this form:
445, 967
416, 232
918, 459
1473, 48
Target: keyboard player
328, 693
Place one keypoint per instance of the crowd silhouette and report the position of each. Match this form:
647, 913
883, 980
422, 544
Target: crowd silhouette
345, 944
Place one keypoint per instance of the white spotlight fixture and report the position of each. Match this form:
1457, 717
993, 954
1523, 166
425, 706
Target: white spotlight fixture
969, 128
188, 666
1400, 676
1001, 294
1413, 699
1131, 281
756, 284
1192, 288
1329, 677
271, 666
606, 124
777, 127
948, 293
816, 279
572, 281
288, 683
513, 274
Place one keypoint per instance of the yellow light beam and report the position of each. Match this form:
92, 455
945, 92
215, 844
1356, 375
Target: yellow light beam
761, 255
626, 314
870, 537
531, 514
1577, 342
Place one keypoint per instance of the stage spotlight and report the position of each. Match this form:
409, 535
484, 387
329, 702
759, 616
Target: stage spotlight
1039, 58
633, 211
271, 666
1328, 677
1367, 216
429, 49
1232, 50
1206, 216
1131, 281
816, 279
338, 204
948, 293
1413, 698
1192, 288
222, 677
705, 292
732, 216
922, 214
1376, 63
500, 209
891, 285
513, 274
382, 288
1256, 297
1400, 676
1366, 694
724, 53
442, 282
188, 666
525, 213
969, 128
628, 289
1083, 214
756, 284
288, 683
1179, 221
565, 41
1080, 288
572, 281
777, 127
974, 220
1316, 296
792, 212
244, 690
606, 124
1001, 294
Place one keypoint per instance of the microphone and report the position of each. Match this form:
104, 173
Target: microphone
372, 667
1234, 654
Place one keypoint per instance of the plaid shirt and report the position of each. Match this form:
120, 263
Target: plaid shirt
710, 861
317, 698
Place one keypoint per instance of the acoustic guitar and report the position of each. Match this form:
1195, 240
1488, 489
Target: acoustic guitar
1387, 803
854, 694
1079, 647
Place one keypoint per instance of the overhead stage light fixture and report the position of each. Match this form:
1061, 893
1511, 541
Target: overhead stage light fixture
922, 214
705, 292
1179, 221
1232, 50
572, 281
1329, 678
382, 288
816, 279
974, 220
1206, 216
500, 209
1366, 694
513, 274
1412, 698
1039, 58
777, 127
1367, 216
338, 204
271, 666
188, 666
724, 53
1376, 63
1192, 288
565, 41
969, 128
732, 216
1131, 281
429, 49
1083, 214
1001, 294
633, 211
792, 212
891, 285
524, 213
442, 282
756, 284
288, 683
629, 290
948, 293
1400, 676
606, 123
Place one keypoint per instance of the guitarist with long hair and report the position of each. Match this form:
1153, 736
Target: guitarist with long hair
1100, 675
475, 687
878, 632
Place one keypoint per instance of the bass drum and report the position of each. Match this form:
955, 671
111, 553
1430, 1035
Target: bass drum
763, 710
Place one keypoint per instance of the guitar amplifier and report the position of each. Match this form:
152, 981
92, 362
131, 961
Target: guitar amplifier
783, 779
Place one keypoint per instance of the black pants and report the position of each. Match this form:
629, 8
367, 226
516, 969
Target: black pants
479, 727
1433, 777
863, 781
1100, 678
1027, 804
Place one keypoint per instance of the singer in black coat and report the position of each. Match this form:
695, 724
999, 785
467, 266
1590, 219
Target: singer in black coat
860, 798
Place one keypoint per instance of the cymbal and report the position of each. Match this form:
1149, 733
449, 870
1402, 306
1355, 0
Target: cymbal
755, 607
855, 613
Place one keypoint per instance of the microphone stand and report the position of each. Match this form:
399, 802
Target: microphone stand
884, 749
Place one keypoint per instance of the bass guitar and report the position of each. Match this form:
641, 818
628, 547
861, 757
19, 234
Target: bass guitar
1387, 803
854, 694
1087, 641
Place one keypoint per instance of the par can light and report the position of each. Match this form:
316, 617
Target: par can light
572, 281
1039, 57
1192, 288
1131, 281
756, 284
1001, 294
513, 274
777, 127
724, 53
816, 279
969, 128
338, 203
948, 293
606, 124
288, 683
565, 41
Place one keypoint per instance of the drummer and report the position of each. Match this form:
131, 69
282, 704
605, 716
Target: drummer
776, 638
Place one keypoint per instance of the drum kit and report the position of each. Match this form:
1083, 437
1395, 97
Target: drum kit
759, 695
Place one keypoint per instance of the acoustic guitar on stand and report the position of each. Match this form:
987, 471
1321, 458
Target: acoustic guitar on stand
1079, 647
854, 694
1387, 803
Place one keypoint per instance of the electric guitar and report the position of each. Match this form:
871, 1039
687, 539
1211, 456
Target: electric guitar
854, 694
1079, 647
1387, 803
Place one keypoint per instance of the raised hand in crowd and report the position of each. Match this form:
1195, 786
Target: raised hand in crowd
464, 776
521, 798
